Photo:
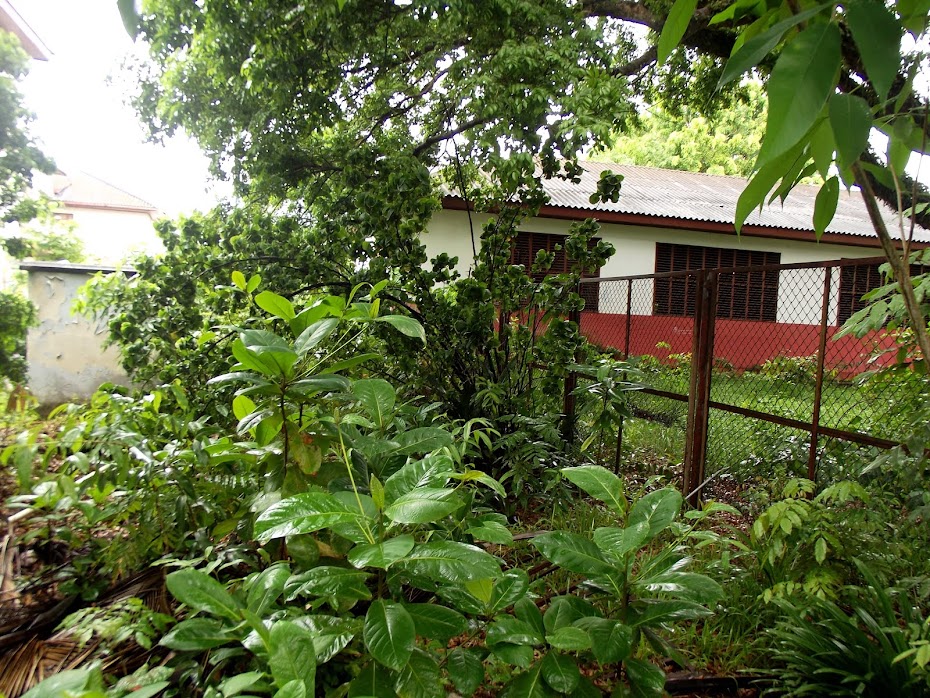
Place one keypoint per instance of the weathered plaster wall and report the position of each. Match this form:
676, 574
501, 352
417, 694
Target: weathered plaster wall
67, 359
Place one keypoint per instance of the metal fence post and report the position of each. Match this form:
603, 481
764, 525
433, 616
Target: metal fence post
702, 364
818, 385
568, 400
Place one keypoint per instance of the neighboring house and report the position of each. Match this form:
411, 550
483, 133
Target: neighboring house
112, 224
11, 21
670, 221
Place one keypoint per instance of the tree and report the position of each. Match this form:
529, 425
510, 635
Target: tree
724, 142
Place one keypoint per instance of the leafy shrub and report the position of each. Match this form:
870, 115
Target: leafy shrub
17, 315
793, 369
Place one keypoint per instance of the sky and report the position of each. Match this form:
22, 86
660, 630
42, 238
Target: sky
82, 121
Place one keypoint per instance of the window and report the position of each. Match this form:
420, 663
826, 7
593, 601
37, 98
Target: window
528, 244
858, 279
745, 295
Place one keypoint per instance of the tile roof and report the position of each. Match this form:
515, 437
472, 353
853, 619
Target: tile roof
691, 196
80, 189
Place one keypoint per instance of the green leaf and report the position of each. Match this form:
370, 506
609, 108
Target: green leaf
491, 532
253, 283
657, 509
484, 479
564, 611
303, 513
600, 483
307, 387
307, 317
330, 582
572, 552
405, 325
420, 677
621, 541
451, 562
851, 122
761, 184
279, 306
526, 610
374, 681
508, 589
822, 147
67, 683
238, 683
466, 670
825, 205
202, 593
646, 679
432, 471
820, 551
293, 655
389, 633
570, 639
512, 631
516, 655
422, 440
266, 587
377, 397
877, 34
802, 81
757, 48
679, 17
423, 505
197, 635
293, 689
238, 278
560, 672
436, 622
689, 586
658, 612
529, 684
611, 640
381, 555
315, 333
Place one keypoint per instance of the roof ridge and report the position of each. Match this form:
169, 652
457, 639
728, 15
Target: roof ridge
119, 189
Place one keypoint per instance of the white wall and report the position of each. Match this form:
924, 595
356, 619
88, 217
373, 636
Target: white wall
111, 236
800, 292
67, 360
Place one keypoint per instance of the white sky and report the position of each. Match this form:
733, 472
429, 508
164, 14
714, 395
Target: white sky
82, 122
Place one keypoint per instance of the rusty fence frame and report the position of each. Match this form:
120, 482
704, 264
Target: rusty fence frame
698, 398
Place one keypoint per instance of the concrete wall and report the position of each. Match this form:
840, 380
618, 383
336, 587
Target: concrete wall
67, 360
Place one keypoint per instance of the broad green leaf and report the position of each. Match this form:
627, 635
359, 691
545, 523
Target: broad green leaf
307, 387
757, 48
202, 593
657, 612
359, 531
435, 621
405, 325
293, 655
351, 362
611, 640
560, 672
257, 340
657, 509
432, 471
508, 589
451, 562
423, 505
266, 587
234, 685
303, 513
374, 681
422, 440
377, 397
330, 582
331, 634
622, 541
67, 683
377, 492
307, 317
573, 552
822, 147
761, 184
242, 407
516, 655
381, 555
820, 551
315, 333
279, 306
600, 483
802, 81
491, 532
526, 610
877, 34
293, 689
825, 205
689, 586
851, 122
253, 283
389, 633
196, 635
529, 684
564, 611
481, 589
570, 639
484, 479
646, 679
679, 17
461, 599
513, 631
420, 677
238, 278
466, 670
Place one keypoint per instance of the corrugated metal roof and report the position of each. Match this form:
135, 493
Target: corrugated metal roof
692, 196
81, 189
